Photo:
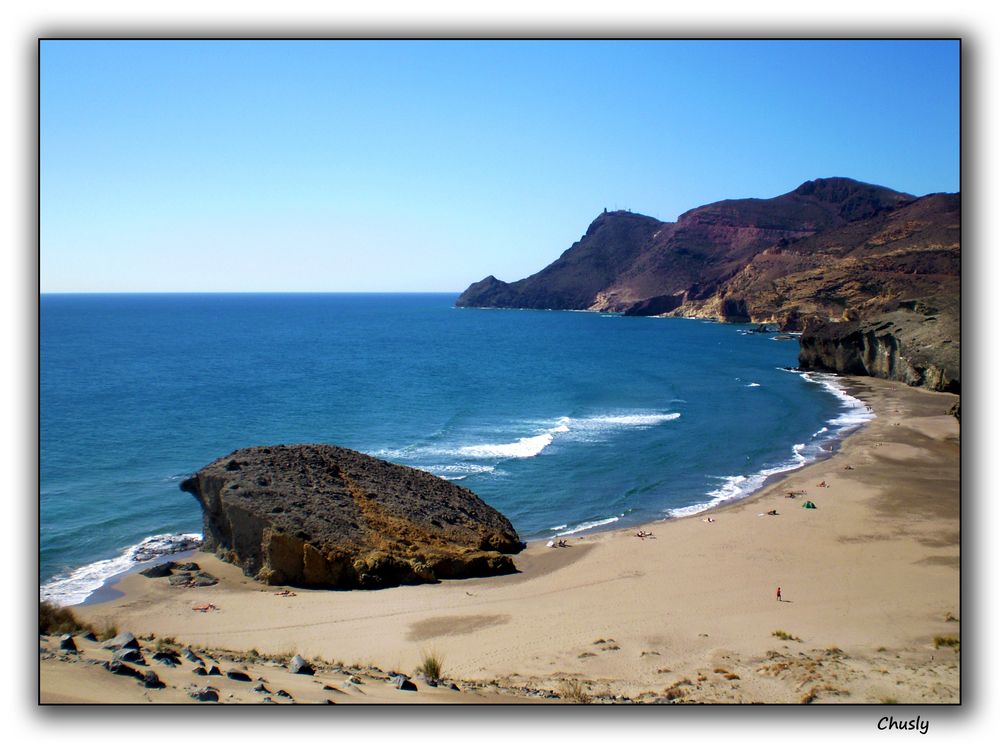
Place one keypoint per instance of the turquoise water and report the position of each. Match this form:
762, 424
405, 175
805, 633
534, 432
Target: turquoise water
564, 421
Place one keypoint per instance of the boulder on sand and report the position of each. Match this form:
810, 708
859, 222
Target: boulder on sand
319, 515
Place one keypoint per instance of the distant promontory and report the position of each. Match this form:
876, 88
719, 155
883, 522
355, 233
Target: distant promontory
870, 276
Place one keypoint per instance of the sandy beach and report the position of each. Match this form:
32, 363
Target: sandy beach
868, 579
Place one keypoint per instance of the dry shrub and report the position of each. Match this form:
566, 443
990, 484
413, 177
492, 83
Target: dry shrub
57, 620
948, 641
574, 691
785, 636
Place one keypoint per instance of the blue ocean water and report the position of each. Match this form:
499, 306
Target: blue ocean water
564, 421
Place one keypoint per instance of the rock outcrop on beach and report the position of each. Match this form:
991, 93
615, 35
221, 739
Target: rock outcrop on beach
320, 515
835, 258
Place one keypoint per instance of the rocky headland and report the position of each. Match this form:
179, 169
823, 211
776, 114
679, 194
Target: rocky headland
320, 515
870, 276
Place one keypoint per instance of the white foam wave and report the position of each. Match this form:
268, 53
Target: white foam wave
82, 582
583, 526
754, 384
855, 413
462, 469
584, 428
558, 527
522, 448
735, 487
636, 419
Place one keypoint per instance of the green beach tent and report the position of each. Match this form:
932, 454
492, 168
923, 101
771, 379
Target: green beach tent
809, 505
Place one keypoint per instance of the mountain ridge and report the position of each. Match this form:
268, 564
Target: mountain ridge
831, 251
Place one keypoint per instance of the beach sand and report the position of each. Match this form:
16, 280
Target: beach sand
868, 579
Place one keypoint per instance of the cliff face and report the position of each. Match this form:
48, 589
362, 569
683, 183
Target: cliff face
318, 515
912, 344
830, 252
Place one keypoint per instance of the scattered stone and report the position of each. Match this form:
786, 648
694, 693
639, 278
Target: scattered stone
167, 658
158, 571
129, 654
206, 695
66, 643
402, 683
122, 669
214, 671
269, 700
201, 671
283, 693
259, 687
202, 579
190, 566
192, 656
298, 665
238, 675
152, 681
354, 680
454, 687
330, 702
122, 640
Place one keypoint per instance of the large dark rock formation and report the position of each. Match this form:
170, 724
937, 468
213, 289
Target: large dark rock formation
830, 253
908, 345
319, 515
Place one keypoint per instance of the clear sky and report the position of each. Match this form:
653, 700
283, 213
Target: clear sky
426, 165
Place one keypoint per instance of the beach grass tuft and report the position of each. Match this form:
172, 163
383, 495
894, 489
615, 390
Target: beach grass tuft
948, 642
574, 691
431, 665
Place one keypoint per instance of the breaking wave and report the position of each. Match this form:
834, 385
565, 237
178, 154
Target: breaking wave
82, 582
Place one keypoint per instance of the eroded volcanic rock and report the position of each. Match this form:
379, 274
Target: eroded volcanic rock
319, 515
872, 276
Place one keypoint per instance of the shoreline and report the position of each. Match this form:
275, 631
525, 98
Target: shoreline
827, 447
868, 580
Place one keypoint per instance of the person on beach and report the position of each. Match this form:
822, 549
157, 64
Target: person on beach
779, 593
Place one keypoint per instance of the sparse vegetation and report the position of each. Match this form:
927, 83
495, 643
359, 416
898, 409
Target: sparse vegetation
574, 691
785, 636
106, 631
947, 641
675, 692
165, 644
53, 619
889, 701
949, 618
431, 666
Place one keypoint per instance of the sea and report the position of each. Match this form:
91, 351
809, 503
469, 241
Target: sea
566, 422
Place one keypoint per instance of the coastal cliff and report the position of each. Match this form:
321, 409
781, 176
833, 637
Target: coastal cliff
319, 515
836, 259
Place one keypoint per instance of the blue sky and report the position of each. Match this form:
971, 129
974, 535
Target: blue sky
425, 166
